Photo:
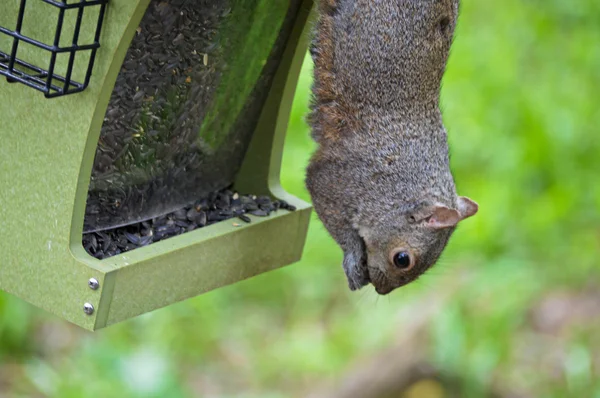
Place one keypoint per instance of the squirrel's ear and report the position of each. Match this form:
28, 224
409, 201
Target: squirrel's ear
466, 207
439, 216
443, 217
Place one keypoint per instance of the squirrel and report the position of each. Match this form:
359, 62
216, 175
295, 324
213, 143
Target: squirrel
380, 179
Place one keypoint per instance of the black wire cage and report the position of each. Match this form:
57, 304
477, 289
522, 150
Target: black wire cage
44, 73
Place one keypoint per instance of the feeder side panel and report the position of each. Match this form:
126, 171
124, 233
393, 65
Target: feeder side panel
42, 150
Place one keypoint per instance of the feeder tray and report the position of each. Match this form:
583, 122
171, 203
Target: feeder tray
57, 174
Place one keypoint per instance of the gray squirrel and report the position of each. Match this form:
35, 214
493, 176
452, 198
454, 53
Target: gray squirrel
380, 179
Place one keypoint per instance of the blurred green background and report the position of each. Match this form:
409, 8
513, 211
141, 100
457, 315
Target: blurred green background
512, 309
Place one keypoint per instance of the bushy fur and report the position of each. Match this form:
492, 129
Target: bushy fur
380, 179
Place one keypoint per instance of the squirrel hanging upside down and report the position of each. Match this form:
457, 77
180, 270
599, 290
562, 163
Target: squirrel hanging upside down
380, 180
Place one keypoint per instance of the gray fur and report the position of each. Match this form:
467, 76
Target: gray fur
381, 178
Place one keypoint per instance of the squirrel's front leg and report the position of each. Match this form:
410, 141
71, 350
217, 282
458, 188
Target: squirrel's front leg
355, 251
355, 259
335, 213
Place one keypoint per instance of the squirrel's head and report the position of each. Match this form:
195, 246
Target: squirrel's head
401, 247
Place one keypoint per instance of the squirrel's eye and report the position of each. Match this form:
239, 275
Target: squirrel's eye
402, 260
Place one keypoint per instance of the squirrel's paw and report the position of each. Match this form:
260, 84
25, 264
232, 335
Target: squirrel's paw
355, 267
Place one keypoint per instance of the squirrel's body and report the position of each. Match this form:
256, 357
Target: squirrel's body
380, 180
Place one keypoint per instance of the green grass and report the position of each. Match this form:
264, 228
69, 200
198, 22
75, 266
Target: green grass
521, 104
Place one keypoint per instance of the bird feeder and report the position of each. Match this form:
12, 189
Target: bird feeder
116, 113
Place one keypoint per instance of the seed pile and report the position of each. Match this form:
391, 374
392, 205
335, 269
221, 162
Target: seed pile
218, 206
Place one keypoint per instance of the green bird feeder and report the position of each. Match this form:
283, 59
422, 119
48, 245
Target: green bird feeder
136, 116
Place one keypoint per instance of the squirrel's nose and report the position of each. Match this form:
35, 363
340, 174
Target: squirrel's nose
383, 290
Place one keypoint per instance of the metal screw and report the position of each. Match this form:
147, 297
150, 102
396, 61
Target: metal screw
93, 284
88, 308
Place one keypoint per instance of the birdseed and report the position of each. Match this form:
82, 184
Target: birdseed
216, 207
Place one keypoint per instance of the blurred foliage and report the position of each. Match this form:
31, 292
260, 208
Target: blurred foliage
521, 104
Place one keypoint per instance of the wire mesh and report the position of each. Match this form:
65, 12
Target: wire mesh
44, 78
